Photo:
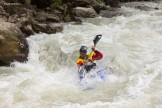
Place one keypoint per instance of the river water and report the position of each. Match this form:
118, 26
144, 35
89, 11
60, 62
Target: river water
132, 48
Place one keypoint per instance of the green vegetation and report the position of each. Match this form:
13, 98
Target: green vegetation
56, 1
100, 1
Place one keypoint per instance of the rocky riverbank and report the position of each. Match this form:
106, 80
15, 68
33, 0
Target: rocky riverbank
22, 18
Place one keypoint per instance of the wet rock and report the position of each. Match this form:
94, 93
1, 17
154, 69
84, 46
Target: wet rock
55, 6
18, 13
13, 45
47, 28
43, 17
67, 18
68, 14
27, 30
52, 18
14, 9
61, 8
111, 12
146, 8
13, 18
3, 14
2, 40
32, 26
112, 3
2, 11
84, 3
54, 27
38, 28
84, 12
141, 6
56, 12
78, 20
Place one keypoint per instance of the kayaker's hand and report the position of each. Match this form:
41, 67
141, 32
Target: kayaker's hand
93, 48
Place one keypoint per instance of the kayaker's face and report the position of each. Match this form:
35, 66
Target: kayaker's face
83, 55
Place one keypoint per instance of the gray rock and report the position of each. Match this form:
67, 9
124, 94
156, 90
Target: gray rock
45, 17
84, 3
52, 18
84, 12
13, 45
111, 12
112, 3
27, 30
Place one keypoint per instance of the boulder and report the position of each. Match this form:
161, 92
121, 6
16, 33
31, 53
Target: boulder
146, 8
141, 6
112, 3
27, 30
47, 28
84, 3
31, 27
3, 14
67, 18
13, 45
52, 18
112, 12
43, 17
84, 12
54, 27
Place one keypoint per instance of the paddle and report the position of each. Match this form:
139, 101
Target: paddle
96, 39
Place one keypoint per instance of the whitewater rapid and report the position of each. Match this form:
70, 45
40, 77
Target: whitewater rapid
132, 48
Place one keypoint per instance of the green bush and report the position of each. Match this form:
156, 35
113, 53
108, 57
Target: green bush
100, 1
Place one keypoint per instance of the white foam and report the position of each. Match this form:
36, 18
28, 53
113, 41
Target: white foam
132, 58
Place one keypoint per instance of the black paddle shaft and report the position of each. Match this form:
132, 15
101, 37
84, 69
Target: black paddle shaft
96, 39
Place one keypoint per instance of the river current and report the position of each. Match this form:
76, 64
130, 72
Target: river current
132, 48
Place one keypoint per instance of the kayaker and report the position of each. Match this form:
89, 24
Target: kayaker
87, 60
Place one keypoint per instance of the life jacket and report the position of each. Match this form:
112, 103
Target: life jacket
80, 60
91, 55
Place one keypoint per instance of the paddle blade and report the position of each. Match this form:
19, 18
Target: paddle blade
96, 39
